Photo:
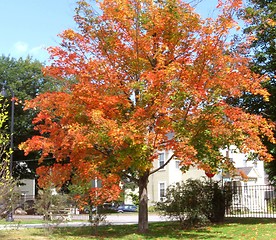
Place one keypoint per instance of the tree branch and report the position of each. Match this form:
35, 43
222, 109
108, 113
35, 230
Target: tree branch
162, 166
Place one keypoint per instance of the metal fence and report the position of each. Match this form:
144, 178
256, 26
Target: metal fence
241, 201
251, 201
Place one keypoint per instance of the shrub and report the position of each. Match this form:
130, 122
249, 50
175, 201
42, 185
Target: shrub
194, 203
152, 209
48, 201
272, 205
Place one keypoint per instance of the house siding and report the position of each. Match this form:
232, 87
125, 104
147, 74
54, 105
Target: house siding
169, 175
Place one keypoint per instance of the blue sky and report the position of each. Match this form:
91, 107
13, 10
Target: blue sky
28, 27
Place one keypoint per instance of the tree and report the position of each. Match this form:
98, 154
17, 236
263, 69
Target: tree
261, 17
25, 78
7, 183
148, 76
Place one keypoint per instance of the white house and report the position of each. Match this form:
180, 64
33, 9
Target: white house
169, 175
26, 189
249, 192
248, 173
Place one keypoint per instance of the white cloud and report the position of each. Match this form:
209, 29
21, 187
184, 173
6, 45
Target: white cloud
21, 47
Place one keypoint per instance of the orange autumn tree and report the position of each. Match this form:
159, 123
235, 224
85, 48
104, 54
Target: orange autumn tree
81, 177
50, 177
143, 76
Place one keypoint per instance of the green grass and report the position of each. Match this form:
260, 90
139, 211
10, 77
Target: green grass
21, 221
232, 229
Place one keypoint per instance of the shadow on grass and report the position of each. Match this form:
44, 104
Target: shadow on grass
164, 230
161, 230
248, 228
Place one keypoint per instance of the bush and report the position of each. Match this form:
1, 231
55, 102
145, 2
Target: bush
216, 202
272, 205
194, 203
47, 201
152, 209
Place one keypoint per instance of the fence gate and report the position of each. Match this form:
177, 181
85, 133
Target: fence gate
251, 201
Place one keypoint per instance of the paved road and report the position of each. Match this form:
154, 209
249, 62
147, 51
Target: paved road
113, 219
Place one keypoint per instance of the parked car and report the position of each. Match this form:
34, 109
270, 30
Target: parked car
127, 208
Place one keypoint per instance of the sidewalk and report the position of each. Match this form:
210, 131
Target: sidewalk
112, 219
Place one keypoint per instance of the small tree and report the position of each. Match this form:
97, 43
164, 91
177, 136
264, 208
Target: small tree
7, 183
93, 191
194, 203
49, 201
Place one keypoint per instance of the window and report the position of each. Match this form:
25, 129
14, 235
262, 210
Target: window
177, 164
162, 191
161, 159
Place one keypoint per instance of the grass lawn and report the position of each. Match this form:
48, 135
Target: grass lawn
264, 229
21, 221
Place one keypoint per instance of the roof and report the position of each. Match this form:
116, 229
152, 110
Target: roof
246, 170
244, 173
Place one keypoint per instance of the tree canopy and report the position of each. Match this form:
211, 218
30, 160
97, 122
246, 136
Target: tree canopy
261, 17
26, 80
144, 76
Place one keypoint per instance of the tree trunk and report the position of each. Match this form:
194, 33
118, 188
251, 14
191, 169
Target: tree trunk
143, 204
